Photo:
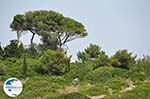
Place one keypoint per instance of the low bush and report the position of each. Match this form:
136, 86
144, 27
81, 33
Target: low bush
139, 92
102, 74
73, 95
55, 62
79, 71
135, 76
97, 90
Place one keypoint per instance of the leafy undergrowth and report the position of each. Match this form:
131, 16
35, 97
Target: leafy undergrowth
101, 83
141, 91
57, 87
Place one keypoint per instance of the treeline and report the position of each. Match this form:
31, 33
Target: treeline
34, 61
50, 57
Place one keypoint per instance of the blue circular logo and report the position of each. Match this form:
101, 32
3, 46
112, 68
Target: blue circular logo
12, 87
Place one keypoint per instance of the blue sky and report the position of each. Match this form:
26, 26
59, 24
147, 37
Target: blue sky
113, 24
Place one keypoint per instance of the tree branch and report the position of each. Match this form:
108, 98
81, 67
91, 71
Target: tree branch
65, 40
32, 38
72, 38
33, 34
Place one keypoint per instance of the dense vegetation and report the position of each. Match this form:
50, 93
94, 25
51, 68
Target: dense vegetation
47, 72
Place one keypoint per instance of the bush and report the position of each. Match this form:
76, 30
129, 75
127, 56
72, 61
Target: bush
97, 90
122, 59
135, 76
118, 72
116, 84
6, 66
79, 71
90, 53
55, 62
13, 50
14, 68
102, 74
33, 64
43, 87
2, 69
101, 60
73, 95
141, 69
139, 92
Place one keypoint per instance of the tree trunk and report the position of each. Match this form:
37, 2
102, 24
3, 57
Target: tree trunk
32, 38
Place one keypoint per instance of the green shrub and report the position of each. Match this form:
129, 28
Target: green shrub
2, 69
136, 76
10, 61
102, 74
43, 87
98, 75
14, 67
33, 64
96, 90
13, 50
141, 91
73, 95
89, 53
101, 60
79, 71
116, 84
55, 62
119, 72
141, 69
123, 59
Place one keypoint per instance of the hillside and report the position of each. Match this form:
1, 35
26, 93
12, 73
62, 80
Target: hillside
46, 70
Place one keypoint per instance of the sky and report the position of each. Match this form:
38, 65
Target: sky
112, 24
